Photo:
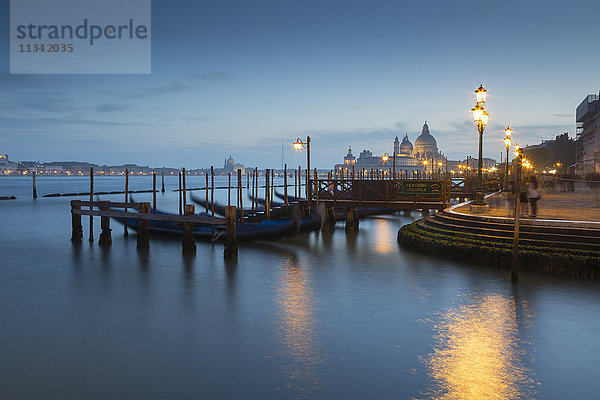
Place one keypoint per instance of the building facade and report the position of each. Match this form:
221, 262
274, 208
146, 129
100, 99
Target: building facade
423, 156
588, 132
232, 167
7, 167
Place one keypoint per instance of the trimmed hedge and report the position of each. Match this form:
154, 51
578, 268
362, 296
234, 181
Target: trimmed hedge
573, 262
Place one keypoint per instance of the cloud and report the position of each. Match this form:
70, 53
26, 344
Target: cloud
215, 76
110, 107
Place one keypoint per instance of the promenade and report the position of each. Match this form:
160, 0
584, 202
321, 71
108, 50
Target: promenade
583, 204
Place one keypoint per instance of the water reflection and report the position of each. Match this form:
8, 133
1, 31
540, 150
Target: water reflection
299, 353
383, 231
477, 355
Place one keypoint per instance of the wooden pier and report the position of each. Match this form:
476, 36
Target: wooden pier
404, 194
106, 209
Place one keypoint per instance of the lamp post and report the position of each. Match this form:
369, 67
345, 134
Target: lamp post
299, 145
507, 143
480, 117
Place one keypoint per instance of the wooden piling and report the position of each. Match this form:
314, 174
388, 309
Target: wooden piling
253, 186
77, 227
272, 184
91, 207
212, 197
180, 196
230, 250
206, 186
352, 220
105, 235
163, 182
34, 175
267, 192
240, 194
143, 236
154, 192
514, 270
329, 219
188, 246
285, 196
229, 189
125, 231
184, 187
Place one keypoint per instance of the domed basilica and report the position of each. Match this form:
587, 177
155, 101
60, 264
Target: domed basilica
422, 156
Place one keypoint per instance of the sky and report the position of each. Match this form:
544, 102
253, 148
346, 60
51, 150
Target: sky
247, 78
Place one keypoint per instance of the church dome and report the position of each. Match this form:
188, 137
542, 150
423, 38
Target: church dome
425, 140
406, 146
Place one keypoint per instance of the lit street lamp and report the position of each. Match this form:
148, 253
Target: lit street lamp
385, 157
507, 143
480, 117
298, 145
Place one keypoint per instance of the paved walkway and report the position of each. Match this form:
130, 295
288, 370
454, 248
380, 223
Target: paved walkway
583, 204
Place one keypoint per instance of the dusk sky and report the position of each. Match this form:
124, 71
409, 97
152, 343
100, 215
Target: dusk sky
241, 77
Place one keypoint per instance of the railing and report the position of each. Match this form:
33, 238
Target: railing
382, 193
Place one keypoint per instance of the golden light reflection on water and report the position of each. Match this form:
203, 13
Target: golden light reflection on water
299, 352
477, 354
384, 236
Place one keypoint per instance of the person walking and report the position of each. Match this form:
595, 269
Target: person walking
534, 195
523, 199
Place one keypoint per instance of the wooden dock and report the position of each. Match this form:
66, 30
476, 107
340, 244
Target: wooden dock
106, 209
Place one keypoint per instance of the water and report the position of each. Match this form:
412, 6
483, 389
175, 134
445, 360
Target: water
313, 316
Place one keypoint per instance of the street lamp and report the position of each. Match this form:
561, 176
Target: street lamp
507, 143
385, 157
480, 117
298, 145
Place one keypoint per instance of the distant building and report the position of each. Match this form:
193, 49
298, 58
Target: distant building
26, 167
588, 131
424, 155
7, 167
233, 167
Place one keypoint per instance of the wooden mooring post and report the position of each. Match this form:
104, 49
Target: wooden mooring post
285, 196
163, 182
91, 207
184, 187
125, 231
105, 236
34, 176
240, 195
230, 249
180, 196
352, 221
188, 246
77, 227
154, 192
143, 236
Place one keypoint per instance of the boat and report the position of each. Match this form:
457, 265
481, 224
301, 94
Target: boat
220, 209
245, 231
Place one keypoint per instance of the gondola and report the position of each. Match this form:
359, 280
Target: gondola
363, 212
245, 231
220, 209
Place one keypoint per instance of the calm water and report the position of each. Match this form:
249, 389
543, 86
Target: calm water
313, 316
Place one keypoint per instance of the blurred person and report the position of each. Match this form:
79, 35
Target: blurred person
533, 193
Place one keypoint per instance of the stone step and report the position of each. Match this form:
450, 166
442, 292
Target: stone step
432, 225
587, 235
